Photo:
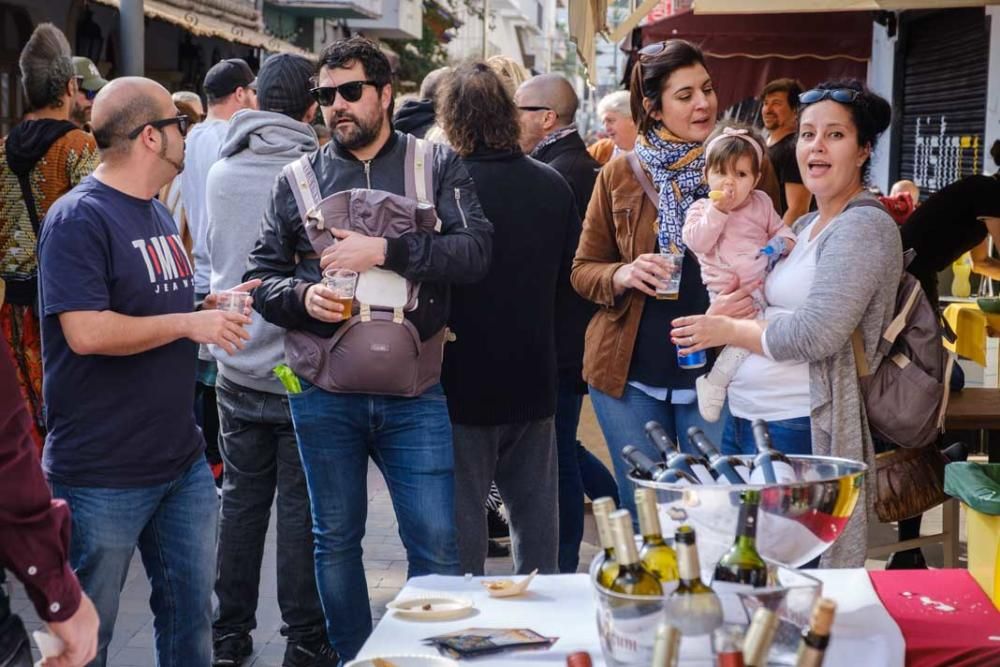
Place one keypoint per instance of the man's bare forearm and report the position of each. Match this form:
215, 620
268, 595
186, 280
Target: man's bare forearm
113, 334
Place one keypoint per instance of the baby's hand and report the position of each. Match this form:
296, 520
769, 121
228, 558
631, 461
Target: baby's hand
775, 249
723, 200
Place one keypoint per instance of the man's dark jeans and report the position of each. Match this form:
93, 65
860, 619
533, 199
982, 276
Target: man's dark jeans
260, 454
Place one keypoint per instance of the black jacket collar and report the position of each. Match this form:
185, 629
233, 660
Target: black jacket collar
571, 143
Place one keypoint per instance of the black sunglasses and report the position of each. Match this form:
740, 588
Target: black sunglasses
535, 108
842, 95
183, 123
351, 92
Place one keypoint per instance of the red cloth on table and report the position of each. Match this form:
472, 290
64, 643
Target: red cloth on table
959, 638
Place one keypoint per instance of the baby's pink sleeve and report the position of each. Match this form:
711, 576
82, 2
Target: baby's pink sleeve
775, 225
703, 226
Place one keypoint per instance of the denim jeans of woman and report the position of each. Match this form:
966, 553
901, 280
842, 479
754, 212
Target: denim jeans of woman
789, 436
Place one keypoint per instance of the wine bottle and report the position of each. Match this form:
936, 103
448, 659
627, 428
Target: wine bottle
696, 609
760, 634
633, 578
815, 639
742, 564
770, 466
694, 466
644, 467
725, 468
727, 643
603, 507
579, 659
667, 646
656, 556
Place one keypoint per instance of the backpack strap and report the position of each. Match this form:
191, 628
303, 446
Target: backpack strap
860, 361
305, 188
419, 168
643, 178
899, 321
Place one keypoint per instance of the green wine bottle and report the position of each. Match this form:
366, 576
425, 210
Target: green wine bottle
655, 554
742, 564
695, 608
633, 578
603, 507
667, 646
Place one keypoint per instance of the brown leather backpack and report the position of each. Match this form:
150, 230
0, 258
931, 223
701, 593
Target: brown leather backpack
378, 350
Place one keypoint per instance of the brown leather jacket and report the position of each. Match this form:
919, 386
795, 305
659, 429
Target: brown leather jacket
619, 226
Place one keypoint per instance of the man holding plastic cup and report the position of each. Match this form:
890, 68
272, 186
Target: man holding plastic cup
118, 340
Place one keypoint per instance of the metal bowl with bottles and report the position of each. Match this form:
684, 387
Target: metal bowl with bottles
627, 624
798, 521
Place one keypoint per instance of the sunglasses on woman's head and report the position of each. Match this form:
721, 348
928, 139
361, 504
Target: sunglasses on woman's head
351, 92
842, 95
652, 50
182, 121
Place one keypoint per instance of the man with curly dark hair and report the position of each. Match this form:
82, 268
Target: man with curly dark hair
408, 436
500, 375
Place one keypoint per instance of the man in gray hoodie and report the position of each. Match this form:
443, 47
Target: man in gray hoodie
258, 446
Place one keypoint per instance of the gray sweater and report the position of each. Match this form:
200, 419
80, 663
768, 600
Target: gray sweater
257, 145
858, 264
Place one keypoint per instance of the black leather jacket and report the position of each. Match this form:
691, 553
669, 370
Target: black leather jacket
286, 263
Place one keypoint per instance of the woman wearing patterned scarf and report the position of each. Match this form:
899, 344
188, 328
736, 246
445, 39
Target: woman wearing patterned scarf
629, 361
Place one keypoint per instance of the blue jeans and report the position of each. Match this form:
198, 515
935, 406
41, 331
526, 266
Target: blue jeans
175, 526
623, 422
789, 436
261, 456
410, 441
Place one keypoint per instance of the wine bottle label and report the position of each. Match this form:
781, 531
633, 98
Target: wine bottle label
628, 632
784, 473
703, 474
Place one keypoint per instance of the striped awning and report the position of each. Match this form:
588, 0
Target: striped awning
204, 25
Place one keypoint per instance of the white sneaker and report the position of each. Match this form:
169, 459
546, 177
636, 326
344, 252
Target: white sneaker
711, 399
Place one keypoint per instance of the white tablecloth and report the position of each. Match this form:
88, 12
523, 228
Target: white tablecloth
563, 606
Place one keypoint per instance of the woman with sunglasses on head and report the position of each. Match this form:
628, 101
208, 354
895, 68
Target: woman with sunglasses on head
637, 209
841, 276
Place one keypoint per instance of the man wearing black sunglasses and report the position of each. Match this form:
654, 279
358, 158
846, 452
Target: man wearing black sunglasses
118, 331
410, 437
88, 82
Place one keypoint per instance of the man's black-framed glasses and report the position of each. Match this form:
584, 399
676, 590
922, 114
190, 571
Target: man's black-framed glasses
182, 121
351, 92
535, 108
89, 94
842, 95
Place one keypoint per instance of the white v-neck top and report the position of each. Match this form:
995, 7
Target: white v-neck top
763, 388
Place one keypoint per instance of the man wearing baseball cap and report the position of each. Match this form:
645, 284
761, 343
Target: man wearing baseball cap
229, 87
257, 441
89, 81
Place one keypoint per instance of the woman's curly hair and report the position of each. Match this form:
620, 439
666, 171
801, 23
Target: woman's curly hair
46, 67
476, 110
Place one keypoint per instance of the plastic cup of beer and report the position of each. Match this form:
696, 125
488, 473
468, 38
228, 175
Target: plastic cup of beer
231, 301
670, 288
342, 283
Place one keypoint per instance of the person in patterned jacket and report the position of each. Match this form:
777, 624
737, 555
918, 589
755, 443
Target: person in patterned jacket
42, 158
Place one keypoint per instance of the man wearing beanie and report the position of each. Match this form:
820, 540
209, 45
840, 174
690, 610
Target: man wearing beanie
258, 445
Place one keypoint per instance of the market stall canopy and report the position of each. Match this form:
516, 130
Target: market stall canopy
203, 25
763, 6
331, 9
744, 52
586, 19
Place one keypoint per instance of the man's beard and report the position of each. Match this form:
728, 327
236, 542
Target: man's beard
78, 114
178, 165
771, 123
358, 135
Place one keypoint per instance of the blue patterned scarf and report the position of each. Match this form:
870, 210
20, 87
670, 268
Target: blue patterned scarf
677, 168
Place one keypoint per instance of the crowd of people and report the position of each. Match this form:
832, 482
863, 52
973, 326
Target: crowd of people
499, 271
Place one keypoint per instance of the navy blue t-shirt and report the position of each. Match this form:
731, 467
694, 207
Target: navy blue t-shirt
115, 421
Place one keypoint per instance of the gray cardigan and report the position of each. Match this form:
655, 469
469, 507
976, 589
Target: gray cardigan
859, 260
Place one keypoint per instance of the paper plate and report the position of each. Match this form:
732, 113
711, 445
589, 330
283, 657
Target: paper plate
431, 608
404, 660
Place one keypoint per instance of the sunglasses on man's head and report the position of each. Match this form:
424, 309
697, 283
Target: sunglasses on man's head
842, 95
182, 121
351, 92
